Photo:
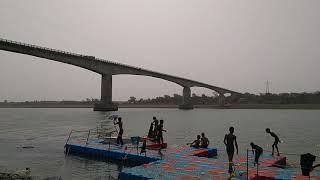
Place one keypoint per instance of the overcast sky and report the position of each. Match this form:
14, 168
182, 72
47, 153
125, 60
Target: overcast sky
237, 45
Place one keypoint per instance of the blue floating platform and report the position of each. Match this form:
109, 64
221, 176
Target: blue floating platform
97, 149
129, 152
184, 162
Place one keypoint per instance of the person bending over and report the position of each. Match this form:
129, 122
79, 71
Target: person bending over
276, 141
257, 150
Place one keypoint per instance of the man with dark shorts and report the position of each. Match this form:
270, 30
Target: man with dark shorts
229, 140
159, 129
151, 129
120, 133
257, 150
276, 141
155, 126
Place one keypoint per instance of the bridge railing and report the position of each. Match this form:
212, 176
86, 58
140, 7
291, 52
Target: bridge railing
59, 51
75, 54
139, 68
98, 59
81, 55
39, 47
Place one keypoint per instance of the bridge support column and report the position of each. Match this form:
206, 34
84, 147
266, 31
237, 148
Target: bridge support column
221, 99
186, 103
106, 95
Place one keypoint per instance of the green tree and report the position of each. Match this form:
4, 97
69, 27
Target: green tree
132, 99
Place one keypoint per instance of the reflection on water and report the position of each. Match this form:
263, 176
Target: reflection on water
47, 130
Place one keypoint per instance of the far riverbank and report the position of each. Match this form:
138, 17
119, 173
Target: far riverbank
234, 106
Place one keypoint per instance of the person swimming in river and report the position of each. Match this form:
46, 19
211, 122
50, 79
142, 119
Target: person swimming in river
154, 123
159, 132
120, 133
230, 140
257, 151
204, 141
276, 141
195, 143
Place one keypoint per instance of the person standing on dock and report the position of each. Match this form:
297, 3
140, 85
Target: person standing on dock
120, 133
204, 141
257, 150
153, 124
159, 129
229, 140
276, 141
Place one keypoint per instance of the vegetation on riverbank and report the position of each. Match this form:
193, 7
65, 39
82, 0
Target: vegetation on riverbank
246, 98
244, 101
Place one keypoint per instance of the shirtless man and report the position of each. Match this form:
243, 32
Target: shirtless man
276, 141
159, 129
204, 141
257, 150
119, 138
229, 140
151, 133
195, 143
155, 125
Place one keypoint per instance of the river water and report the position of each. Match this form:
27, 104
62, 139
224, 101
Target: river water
47, 130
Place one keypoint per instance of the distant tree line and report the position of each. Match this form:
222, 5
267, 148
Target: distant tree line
176, 99
246, 98
84, 101
282, 98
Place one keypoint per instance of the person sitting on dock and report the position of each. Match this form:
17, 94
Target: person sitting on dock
257, 150
276, 141
120, 133
195, 143
204, 141
229, 140
159, 129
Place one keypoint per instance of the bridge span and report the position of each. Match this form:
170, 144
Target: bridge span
107, 69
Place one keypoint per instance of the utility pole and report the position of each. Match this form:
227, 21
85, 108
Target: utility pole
267, 88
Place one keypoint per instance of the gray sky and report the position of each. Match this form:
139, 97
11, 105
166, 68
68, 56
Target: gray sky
233, 44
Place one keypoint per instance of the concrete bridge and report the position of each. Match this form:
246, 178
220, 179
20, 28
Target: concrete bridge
107, 69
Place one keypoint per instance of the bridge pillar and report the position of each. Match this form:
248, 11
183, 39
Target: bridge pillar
221, 99
106, 95
186, 103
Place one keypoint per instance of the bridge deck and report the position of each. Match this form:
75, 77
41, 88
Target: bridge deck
53, 54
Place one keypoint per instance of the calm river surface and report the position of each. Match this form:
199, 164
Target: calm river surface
47, 130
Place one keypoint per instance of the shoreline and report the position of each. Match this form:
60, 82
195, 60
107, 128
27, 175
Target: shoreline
234, 106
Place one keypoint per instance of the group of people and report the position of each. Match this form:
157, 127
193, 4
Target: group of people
156, 130
201, 142
257, 150
230, 140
